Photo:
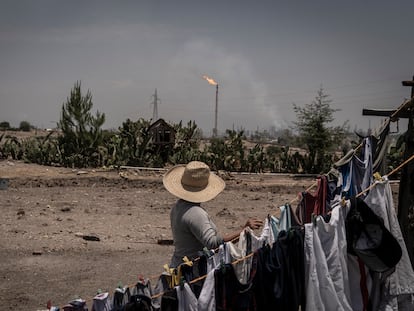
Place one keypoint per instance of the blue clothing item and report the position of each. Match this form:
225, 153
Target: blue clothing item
283, 222
357, 173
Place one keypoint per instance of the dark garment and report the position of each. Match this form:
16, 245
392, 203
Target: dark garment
121, 298
279, 281
189, 273
76, 305
265, 279
138, 303
290, 248
163, 285
231, 295
169, 301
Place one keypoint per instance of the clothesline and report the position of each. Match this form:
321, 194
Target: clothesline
205, 275
389, 174
309, 188
251, 254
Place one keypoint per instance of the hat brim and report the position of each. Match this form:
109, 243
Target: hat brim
172, 182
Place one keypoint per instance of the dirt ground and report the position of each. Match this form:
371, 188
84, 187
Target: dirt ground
48, 216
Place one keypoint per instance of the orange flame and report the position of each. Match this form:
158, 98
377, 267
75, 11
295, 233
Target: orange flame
210, 80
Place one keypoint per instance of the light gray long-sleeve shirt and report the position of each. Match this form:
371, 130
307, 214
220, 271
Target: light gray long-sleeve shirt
192, 230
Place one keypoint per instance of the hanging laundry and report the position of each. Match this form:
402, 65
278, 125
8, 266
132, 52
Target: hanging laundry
326, 273
279, 279
356, 170
207, 298
312, 203
397, 289
187, 301
169, 301
120, 298
76, 305
101, 302
230, 293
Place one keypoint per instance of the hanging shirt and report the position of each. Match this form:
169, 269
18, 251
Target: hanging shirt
356, 170
326, 271
283, 222
230, 293
101, 302
207, 298
398, 288
187, 301
313, 203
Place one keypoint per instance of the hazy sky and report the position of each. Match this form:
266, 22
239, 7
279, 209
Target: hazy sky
265, 55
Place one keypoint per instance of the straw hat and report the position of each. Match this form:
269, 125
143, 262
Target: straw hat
193, 182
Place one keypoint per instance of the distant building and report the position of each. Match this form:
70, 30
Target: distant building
163, 138
162, 133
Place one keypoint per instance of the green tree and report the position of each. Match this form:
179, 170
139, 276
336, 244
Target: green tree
81, 137
25, 126
4, 125
315, 133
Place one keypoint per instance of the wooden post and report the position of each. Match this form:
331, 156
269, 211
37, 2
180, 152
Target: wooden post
406, 190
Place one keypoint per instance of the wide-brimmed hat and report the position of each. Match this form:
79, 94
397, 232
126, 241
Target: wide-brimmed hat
193, 182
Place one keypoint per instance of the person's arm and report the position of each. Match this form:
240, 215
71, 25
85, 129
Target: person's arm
253, 223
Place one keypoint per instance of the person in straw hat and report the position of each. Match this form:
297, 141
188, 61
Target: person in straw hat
191, 225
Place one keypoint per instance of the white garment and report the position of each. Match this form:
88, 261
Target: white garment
187, 301
256, 242
401, 282
241, 268
207, 298
326, 271
267, 236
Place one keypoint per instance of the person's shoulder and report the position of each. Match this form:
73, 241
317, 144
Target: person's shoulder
194, 210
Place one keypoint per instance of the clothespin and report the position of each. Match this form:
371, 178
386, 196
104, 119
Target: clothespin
99, 291
343, 202
377, 176
120, 285
168, 269
187, 261
169, 275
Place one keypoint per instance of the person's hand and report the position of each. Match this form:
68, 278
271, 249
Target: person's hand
254, 223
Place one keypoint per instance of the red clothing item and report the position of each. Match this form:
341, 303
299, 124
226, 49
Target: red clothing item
313, 203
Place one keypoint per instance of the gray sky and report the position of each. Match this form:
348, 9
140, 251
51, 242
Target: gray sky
265, 55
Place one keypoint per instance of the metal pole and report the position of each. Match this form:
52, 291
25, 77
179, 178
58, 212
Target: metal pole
406, 189
215, 115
